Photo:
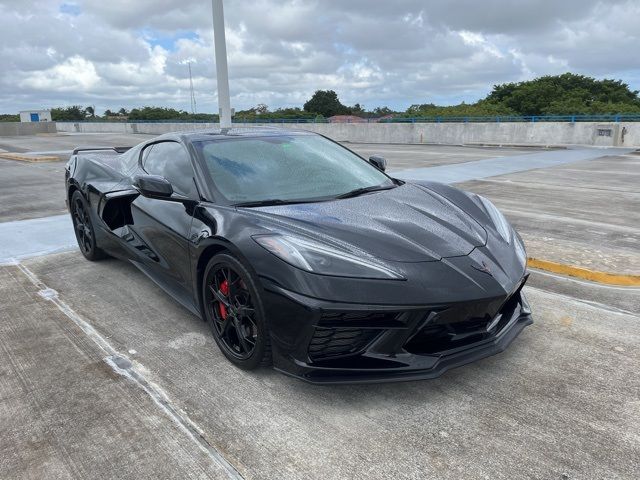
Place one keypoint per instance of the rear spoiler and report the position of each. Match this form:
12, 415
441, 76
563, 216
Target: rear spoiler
91, 149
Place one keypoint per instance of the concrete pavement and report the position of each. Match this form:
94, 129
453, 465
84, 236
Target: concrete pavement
585, 214
64, 143
491, 167
102, 375
561, 402
39, 236
64, 413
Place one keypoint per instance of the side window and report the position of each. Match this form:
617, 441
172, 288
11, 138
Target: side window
129, 160
146, 153
171, 161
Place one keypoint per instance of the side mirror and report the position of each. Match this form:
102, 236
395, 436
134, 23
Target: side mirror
153, 186
379, 162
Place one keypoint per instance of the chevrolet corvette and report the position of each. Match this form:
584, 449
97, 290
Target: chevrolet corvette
304, 256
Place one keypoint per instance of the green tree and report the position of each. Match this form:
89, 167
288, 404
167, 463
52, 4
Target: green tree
481, 108
169, 114
157, 113
325, 103
68, 114
382, 111
567, 93
295, 112
9, 117
358, 109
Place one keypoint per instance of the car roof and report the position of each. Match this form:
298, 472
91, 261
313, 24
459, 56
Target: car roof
221, 133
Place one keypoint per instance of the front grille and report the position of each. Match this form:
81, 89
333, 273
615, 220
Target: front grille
464, 325
333, 342
359, 319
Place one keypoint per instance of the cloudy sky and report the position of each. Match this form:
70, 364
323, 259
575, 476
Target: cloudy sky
114, 53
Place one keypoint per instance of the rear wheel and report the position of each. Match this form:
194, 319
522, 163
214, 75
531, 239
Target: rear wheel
83, 227
233, 308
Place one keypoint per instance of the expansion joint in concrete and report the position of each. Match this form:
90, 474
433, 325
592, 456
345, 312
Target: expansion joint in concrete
133, 371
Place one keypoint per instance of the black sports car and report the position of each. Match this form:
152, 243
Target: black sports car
302, 255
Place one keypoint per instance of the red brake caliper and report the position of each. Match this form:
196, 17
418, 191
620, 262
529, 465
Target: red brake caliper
224, 290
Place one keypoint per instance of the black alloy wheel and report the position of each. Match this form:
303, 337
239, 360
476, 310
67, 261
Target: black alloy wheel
83, 228
234, 311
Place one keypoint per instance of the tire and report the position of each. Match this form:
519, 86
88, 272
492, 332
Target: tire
235, 313
83, 228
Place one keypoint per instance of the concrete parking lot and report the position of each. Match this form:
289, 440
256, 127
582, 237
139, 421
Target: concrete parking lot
563, 402
62, 144
33, 190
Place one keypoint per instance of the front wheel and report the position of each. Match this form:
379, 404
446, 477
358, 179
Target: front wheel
85, 234
233, 308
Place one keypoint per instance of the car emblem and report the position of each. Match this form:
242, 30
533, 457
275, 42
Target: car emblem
483, 268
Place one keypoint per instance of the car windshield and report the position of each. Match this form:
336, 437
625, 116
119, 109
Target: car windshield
286, 168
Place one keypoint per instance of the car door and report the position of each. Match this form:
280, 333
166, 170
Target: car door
163, 225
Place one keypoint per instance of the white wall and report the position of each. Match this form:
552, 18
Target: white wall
45, 115
524, 133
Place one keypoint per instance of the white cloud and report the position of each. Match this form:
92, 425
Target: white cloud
75, 73
124, 53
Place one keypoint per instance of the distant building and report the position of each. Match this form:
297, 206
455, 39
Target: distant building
35, 116
346, 119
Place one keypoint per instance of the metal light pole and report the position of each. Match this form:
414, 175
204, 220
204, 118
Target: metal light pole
222, 72
193, 95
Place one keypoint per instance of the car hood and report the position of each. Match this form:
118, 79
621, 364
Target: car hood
409, 223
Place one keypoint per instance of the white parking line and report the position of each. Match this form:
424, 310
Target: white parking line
134, 372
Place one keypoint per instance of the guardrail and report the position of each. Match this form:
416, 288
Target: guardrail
460, 119
623, 117
526, 118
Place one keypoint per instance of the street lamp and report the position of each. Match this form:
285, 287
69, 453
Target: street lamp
222, 71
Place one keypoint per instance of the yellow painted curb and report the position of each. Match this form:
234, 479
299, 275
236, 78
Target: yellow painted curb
28, 158
585, 273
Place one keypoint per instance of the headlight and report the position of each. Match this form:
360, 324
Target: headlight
501, 223
323, 259
505, 230
520, 250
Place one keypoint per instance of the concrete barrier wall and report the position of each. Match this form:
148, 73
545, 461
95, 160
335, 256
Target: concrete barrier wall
122, 127
525, 133
9, 129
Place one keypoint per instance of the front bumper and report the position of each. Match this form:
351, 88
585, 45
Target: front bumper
327, 343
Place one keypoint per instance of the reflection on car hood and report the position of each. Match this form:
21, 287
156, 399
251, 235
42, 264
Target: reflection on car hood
406, 224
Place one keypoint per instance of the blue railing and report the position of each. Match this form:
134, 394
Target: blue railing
622, 117
524, 118
630, 117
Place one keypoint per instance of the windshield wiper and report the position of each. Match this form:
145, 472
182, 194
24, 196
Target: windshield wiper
264, 203
363, 190
279, 201
272, 201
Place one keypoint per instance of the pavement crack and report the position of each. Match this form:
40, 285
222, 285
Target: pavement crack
132, 371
